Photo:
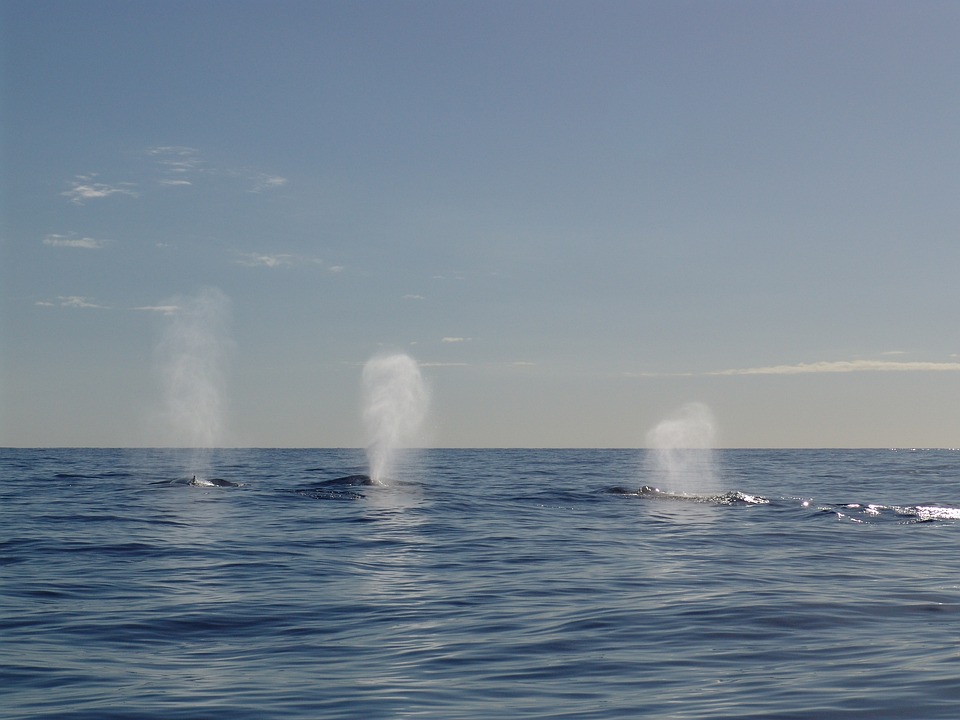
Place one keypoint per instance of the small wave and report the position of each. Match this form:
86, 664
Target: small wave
870, 512
328, 494
926, 513
105, 475
851, 512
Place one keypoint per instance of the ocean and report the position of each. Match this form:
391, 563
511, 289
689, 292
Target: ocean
479, 584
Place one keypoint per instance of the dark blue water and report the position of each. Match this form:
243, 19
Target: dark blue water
478, 584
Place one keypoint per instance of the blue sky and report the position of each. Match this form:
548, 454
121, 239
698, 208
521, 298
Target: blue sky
577, 216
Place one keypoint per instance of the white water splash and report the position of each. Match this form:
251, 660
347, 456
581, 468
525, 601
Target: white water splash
395, 402
192, 356
680, 458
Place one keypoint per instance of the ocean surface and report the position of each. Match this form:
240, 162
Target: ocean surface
479, 584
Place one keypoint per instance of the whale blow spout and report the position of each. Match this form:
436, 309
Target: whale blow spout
395, 405
681, 455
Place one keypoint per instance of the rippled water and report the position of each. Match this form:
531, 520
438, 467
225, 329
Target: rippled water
478, 584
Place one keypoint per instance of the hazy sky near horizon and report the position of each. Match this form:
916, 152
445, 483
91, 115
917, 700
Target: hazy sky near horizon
576, 216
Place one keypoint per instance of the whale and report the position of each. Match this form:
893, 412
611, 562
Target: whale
199, 482
349, 481
341, 488
212, 482
733, 497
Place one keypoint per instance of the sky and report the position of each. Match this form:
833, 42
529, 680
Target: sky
577, 217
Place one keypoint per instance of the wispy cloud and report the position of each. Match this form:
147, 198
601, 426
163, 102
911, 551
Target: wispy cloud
72, 241
77, 301
85, 188
178, 164
176, 157
280, 260
266, 260
161, 309
72, 301
455, 339
172, 166
263, 181
255, 180
413, 297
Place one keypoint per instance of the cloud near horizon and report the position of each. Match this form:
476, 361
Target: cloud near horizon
823, 366
843, 366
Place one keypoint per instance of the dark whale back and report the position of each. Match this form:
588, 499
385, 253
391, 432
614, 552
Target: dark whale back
348, 481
